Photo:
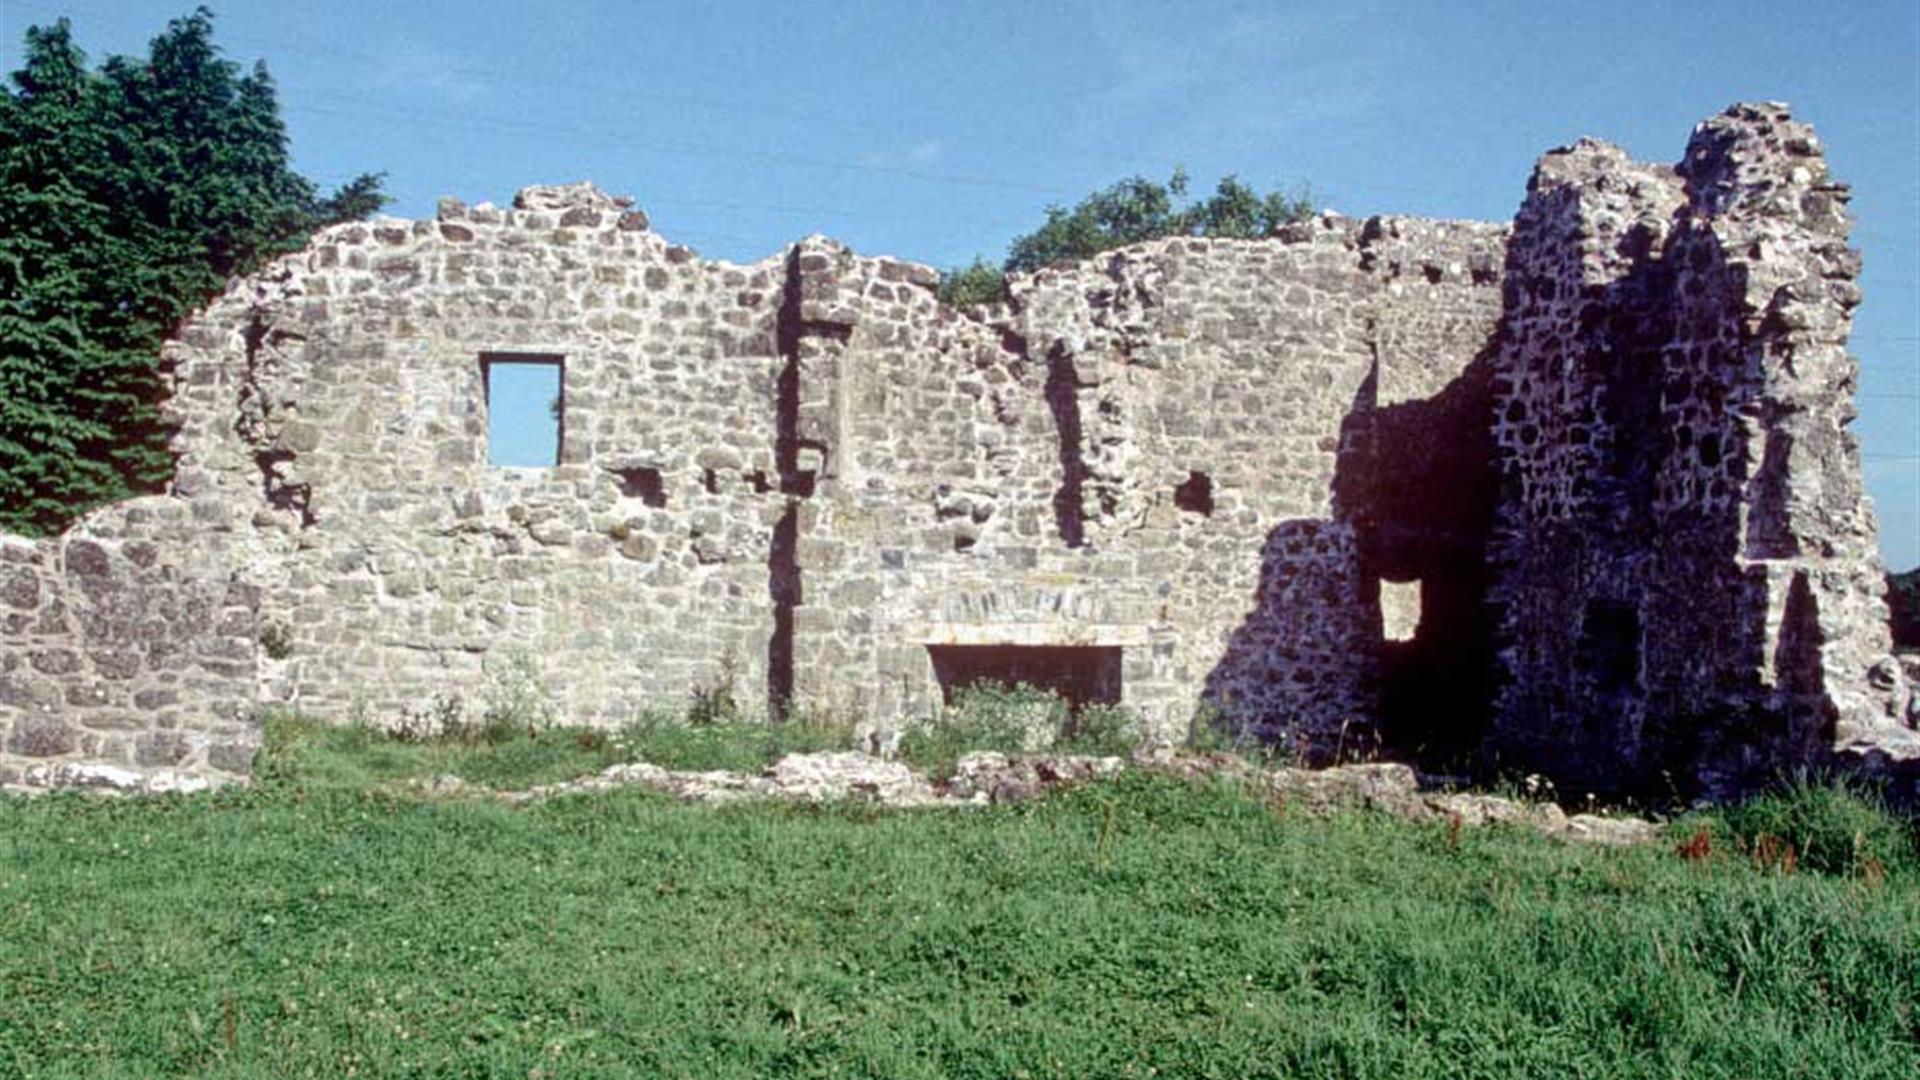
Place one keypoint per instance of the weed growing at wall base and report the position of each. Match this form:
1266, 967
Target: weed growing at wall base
1009, 719
1823, 825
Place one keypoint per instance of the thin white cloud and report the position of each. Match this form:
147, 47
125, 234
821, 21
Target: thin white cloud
1248, 71
424, 68
924, 152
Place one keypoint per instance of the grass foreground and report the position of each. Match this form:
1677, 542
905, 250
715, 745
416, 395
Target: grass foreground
320, 925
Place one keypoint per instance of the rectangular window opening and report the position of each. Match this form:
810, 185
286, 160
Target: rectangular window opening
1609, 647
1079, 674
643, 483
526, 408
1399, 610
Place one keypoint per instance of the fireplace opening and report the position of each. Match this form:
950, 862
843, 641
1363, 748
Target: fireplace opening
1079, 674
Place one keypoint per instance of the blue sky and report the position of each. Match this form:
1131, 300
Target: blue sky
937, 131
523, 425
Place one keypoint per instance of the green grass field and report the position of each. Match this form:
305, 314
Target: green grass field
319, 925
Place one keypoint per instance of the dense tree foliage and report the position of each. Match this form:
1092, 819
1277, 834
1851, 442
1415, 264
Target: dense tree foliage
128, 195
1128, 212
1903, 603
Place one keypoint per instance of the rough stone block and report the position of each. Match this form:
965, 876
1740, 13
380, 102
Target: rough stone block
41, 737
161, 748
232, 757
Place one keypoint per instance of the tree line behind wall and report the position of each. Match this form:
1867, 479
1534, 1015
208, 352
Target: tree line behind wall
129, 193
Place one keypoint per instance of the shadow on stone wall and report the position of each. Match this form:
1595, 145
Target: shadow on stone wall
1063, 400
1639, 647
1296, 669
1576, 496
1413, 497
1420, 485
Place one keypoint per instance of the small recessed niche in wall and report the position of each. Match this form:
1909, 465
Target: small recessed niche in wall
1195, 494
644, 483
526, 408
1609, 647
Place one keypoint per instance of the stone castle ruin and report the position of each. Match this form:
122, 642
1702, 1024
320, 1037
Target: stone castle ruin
1574, 495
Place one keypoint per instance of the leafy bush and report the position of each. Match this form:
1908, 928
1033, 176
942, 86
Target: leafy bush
1128, 212
515, 702
714, 702
306, 753
443, 717
676, 742
1104, 730
1210, 731
1137, 209
1827, 826
985, 716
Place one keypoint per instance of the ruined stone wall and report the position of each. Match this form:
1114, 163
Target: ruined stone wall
1166, 450
796, 476
1579, 492
1685, 568
128, 658
399, 565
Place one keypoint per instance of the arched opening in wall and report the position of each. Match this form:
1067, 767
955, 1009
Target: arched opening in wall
526, 403
1080, 674
1195, 494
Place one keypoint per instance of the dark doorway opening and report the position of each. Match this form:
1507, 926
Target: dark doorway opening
1079, 674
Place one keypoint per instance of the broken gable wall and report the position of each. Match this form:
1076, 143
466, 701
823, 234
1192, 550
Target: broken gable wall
400, 565
790, 479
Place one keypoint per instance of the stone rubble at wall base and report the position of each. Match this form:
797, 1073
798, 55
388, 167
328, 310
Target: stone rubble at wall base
1574, 495
986, 778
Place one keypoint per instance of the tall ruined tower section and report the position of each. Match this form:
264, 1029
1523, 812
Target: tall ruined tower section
1686, 586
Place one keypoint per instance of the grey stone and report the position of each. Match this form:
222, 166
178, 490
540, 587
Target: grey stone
88, 559
55, 661
232, 757
161, 748
20, 588
41, 737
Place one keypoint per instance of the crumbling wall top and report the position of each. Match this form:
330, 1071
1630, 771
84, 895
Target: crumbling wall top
567, 196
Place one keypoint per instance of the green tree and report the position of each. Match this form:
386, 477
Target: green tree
978, 283
1903, 604
1128, 212
128, 195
